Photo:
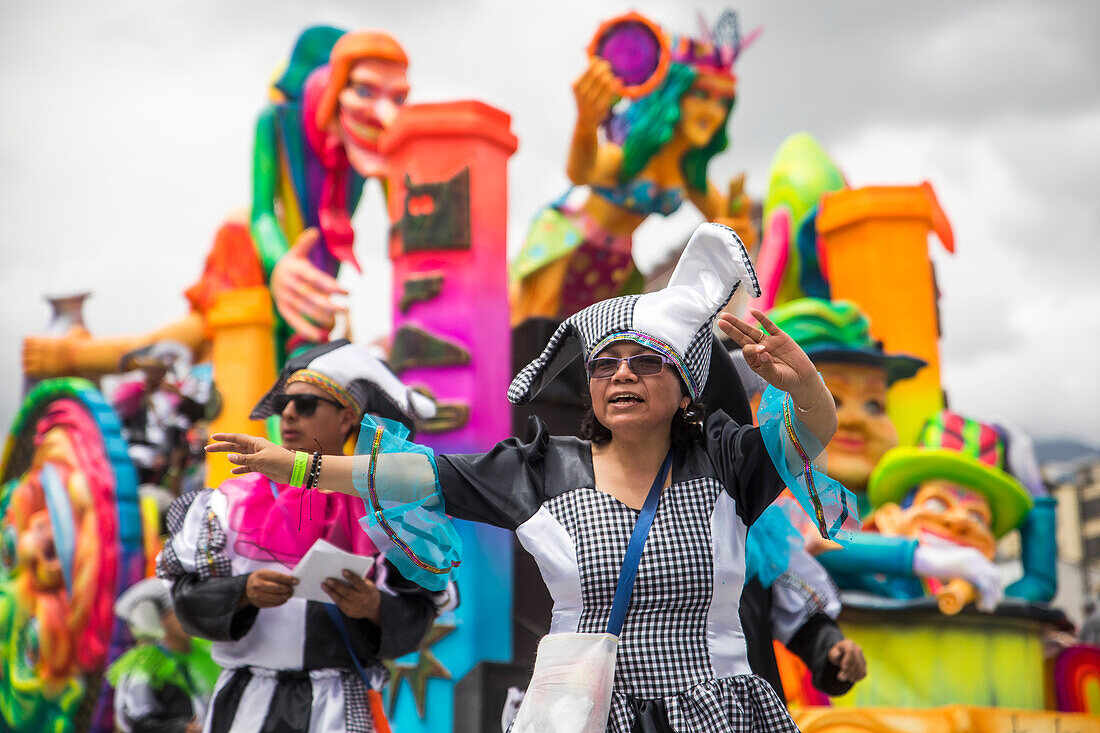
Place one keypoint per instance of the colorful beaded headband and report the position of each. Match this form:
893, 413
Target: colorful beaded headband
326, 384
657, 345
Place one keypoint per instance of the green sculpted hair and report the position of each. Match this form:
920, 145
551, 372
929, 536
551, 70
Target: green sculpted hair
814, 323
651, 121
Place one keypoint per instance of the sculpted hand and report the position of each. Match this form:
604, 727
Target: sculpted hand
302, 293
595, 91
742, 224
736, 212
47, 356
847, 655
356, 597
250, 453
946, 563
269, 588
772, 354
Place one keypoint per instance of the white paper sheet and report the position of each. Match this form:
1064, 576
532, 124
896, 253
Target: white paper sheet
322, 561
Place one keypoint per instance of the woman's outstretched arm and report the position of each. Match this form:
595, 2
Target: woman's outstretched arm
249, 453
406, 477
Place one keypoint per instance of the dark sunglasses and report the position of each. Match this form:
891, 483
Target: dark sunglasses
304, 404
643, 365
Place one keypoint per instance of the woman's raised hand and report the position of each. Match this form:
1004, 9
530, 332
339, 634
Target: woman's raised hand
595, 90
771, 353
250, 453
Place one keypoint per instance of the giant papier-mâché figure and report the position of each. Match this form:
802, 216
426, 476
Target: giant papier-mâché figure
653, 154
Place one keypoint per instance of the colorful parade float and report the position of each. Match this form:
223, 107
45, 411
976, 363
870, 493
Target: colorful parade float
950, 646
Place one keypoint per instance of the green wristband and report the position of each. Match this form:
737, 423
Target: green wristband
298, 474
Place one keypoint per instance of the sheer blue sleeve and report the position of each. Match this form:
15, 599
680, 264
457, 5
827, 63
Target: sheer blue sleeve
406, 520
793, 448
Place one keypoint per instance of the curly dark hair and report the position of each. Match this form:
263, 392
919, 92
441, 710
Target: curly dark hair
686, 428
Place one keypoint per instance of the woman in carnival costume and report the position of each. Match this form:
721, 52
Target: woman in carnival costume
292, 663
573, 502
655, 154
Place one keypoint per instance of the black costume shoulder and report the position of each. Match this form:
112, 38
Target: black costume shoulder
506, 486
742, 464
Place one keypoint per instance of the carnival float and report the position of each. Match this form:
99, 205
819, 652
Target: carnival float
92, 459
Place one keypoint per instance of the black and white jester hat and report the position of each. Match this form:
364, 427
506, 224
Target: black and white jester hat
675, 321
355, 378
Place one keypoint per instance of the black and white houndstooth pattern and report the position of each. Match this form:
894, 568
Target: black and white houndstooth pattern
663, 644
590, 326
742, 704
663, 652
754, 284
210, 558
357, 712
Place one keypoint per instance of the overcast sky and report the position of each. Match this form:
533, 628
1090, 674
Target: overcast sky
127, 130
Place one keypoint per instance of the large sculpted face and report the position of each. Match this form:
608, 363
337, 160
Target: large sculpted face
366, 106
942, 512
704, 108
864, 430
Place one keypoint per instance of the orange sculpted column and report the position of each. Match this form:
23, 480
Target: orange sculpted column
875, 246
243, 359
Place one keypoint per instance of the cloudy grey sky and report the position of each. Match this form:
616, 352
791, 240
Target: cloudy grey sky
126, 138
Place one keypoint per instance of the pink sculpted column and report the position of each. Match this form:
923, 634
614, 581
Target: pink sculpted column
448, 199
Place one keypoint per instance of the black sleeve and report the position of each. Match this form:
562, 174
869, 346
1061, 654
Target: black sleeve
406, 613
173, 712
208, 608
755, 612
503, 487
157, 724
812, 644
743, 464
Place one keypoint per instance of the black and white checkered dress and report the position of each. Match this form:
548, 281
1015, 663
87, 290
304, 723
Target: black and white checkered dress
682, 662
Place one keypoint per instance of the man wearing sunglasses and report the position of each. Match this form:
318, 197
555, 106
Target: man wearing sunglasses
289, 663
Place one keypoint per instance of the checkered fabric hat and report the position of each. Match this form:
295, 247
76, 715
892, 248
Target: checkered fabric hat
362, 379
675, 321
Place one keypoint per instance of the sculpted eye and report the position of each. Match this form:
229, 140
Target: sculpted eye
399, 99
874, 407
934, 504
976, 516
29, 645
365, 91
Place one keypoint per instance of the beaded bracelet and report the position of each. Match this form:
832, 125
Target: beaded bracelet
314, 471
298, 474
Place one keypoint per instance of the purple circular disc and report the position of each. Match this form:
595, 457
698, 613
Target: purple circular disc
632, 50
